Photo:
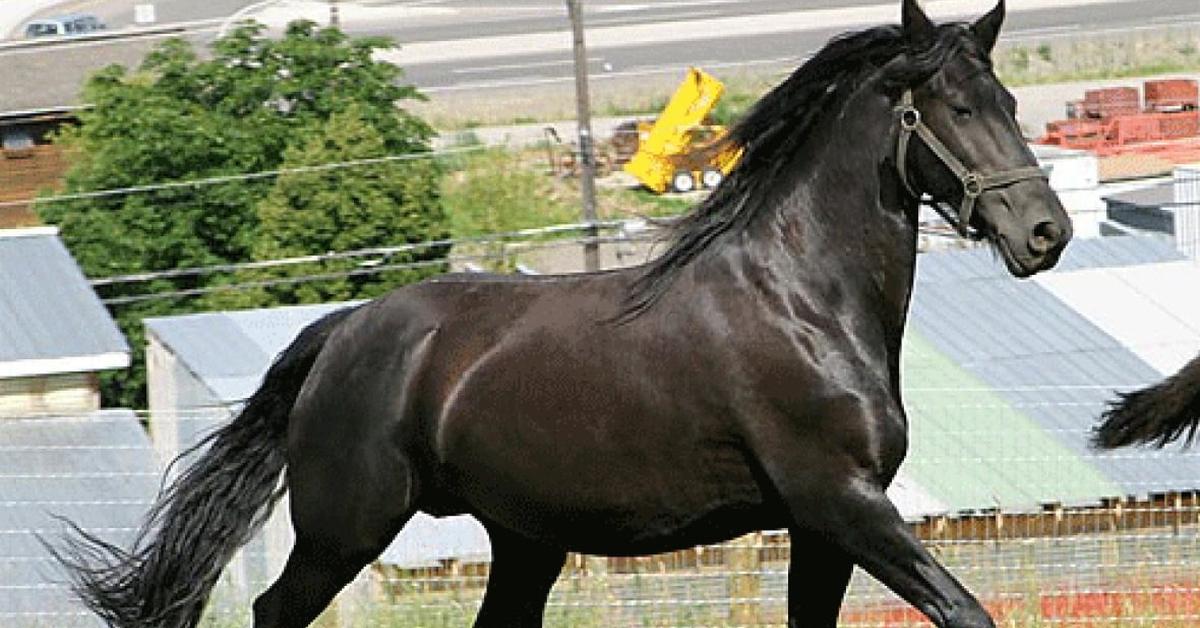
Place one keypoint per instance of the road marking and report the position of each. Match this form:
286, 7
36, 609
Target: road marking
1029, 32
675, 31
1171, 19
519, 66
791, 62
631, 8
415, 3
629, 19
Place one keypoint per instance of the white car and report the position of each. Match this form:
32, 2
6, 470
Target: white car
74, 24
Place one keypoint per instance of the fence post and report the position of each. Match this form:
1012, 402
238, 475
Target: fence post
745, 584
595, 572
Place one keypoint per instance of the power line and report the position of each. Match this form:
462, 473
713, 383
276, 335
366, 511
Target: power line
232, 178
510, 239
337, 255
358, 272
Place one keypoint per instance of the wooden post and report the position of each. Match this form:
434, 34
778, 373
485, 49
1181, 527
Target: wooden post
587, 155
596, 593
1176, 512
745, 585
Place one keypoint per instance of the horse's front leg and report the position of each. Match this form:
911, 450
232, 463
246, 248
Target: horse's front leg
859, 518
831, 478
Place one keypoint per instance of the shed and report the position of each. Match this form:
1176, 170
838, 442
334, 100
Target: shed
56, 335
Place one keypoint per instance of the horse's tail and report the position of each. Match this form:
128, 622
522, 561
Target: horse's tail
197, 523
1157, 414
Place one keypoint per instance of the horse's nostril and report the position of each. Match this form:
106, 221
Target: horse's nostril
1046, 235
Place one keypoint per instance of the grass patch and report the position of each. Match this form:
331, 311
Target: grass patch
495, 191
504, 190
1082, 59
500, 190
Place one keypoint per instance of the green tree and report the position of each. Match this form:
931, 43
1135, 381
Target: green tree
384, 204
254, 104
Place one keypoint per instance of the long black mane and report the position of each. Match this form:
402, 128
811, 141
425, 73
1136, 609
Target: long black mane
774, 132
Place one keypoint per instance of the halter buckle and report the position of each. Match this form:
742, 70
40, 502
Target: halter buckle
972, 185
909, 118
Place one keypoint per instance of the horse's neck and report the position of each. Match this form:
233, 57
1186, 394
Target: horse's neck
845, 223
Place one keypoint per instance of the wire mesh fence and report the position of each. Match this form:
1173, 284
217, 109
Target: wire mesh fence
1105, 560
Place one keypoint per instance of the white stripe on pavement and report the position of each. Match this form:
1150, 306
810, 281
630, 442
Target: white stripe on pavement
696, 30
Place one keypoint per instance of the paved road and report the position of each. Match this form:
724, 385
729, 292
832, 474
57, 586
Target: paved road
460, 46
630, 41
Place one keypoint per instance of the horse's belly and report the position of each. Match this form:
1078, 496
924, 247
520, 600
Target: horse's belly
711, 525
590, 441
615, 501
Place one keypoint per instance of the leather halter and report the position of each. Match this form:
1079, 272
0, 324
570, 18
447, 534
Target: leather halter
973, 182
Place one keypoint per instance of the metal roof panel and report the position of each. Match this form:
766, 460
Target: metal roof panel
48, 309
97, 470
1046, 359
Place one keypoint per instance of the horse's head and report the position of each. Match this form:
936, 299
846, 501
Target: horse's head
959, 142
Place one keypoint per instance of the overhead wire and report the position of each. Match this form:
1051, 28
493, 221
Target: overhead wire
365, 252
246, 176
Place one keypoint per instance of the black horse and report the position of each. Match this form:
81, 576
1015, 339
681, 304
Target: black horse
748, 378
1157, 414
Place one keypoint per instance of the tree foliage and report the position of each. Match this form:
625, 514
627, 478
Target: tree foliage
310, 97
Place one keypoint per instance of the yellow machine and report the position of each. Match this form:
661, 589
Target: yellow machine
679, 152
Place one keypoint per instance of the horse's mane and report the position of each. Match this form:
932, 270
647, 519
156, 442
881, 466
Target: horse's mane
775, 130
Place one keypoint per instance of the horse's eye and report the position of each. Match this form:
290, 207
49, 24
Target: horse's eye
962, 113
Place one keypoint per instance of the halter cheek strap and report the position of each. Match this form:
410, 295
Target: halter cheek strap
973, 182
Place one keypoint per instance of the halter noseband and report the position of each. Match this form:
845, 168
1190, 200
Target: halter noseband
973, 182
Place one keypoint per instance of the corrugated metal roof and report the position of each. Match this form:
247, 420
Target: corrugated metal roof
972, 449
230, 351
982, 262
48, 309
912, 500
1042, 358
1153, 196
1116, 251
97, 471
1142, 307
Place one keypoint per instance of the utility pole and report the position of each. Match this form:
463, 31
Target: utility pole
333, 14
587, 155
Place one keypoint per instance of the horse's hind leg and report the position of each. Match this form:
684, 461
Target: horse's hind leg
818, 575
522, 574
345, 510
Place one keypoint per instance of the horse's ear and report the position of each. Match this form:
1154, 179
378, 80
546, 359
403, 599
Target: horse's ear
987, 28
917, 26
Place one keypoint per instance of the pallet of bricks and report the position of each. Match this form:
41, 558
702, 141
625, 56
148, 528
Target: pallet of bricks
1113, 120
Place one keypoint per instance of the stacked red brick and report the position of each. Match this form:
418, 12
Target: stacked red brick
1175, 96
1113, 120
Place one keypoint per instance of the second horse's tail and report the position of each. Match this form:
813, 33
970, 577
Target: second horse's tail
1157, 414
213, 508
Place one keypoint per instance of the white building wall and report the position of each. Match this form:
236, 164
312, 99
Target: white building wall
1187, 210
1075, 177
182, 411
65, 393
